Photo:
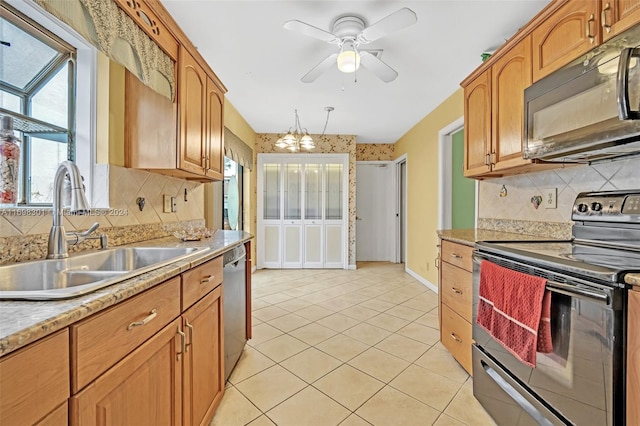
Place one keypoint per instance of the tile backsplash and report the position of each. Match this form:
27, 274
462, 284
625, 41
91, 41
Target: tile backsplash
569, 182
23, 232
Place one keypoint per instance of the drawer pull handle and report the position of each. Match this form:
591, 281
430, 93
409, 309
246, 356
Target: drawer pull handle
146, 320
183, 347
190, 327
456, 256
456, 338
455, 290
207, 279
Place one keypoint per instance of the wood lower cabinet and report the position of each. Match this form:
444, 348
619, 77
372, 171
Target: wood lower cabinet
203, 364
34, 383
633, 359
142, 389
455, 300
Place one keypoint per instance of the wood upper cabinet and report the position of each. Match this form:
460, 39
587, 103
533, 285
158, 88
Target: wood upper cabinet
203, 366
633, 359
569, 32
34, 383
494, 110
618, 15
192, 101
215, 129
477, 129
511, 74
144, 388
200, 124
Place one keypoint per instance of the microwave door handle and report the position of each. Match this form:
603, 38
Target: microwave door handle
624, 109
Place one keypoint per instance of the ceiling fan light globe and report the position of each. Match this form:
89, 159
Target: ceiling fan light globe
348, 61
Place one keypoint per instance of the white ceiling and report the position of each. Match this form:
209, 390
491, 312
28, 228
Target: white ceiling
261, 63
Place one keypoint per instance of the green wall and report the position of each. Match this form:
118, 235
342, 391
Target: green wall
462, 189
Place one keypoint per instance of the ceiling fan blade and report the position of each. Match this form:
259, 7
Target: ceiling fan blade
315, 72
396, 21
310, 31
383, 71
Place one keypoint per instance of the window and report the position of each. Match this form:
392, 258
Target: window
37, 87
233, 213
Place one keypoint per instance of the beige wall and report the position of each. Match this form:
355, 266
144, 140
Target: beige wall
420, 144
239, 127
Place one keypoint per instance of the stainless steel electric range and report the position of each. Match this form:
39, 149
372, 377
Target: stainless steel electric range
582, 381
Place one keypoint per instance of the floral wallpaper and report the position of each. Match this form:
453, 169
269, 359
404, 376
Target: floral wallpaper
327, 144
374, 152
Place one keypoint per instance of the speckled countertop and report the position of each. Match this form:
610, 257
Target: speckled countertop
472, 235
633, 279
23, 322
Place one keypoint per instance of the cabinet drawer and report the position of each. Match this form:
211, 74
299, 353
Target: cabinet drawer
456, 336
458, 255
58, 417
102, 340
456, 290
200, 280
34, 380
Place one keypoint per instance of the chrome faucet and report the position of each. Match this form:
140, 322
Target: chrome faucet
58, 238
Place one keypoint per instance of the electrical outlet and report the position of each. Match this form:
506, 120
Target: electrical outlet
166, 206
550, 198
174, 205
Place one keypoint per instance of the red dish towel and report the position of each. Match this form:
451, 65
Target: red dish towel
515, 309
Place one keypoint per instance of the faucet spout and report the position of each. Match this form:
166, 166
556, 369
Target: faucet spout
57, 247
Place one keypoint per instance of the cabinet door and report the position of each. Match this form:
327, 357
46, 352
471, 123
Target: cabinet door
313, 244
144, 388
192, 94
571, 31
618, 15
292, 245
477, 127
215, 153
35, 380
633, 359
511, 74
203, 372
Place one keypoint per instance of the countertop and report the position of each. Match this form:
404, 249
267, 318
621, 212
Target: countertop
470, 236
23, 322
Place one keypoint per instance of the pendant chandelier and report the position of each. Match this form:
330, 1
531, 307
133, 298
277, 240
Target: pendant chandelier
296, 138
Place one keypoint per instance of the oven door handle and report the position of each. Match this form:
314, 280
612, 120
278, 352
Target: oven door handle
575, 291
566, 289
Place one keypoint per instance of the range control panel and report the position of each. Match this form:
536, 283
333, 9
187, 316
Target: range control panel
612, 206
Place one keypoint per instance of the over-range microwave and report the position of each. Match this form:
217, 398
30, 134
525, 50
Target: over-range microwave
589, 110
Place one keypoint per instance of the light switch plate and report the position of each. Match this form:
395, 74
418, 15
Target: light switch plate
550, 198
174, 205
166, 207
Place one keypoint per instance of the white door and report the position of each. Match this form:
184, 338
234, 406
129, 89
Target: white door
374, 211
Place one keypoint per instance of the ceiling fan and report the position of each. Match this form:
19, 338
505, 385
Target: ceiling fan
349, 32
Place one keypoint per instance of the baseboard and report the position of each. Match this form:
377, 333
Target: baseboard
429, 285
254, 269
352, 267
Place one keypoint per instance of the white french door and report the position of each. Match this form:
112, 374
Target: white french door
302, 211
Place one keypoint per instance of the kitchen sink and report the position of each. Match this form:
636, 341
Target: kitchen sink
64, 278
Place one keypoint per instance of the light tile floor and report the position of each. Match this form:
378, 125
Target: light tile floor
350, 348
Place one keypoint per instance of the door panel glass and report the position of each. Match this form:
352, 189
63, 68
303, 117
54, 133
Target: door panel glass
292, 190
333, 200
313, 191
271, 190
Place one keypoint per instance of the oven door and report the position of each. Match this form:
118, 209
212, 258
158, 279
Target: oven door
580, 382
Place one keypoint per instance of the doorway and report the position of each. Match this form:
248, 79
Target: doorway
374, 211
457, 195
401, 208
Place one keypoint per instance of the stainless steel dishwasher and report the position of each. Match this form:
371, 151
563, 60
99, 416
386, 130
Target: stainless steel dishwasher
234, 296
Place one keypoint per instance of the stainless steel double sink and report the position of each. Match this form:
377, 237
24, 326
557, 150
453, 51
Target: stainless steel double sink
83, 273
